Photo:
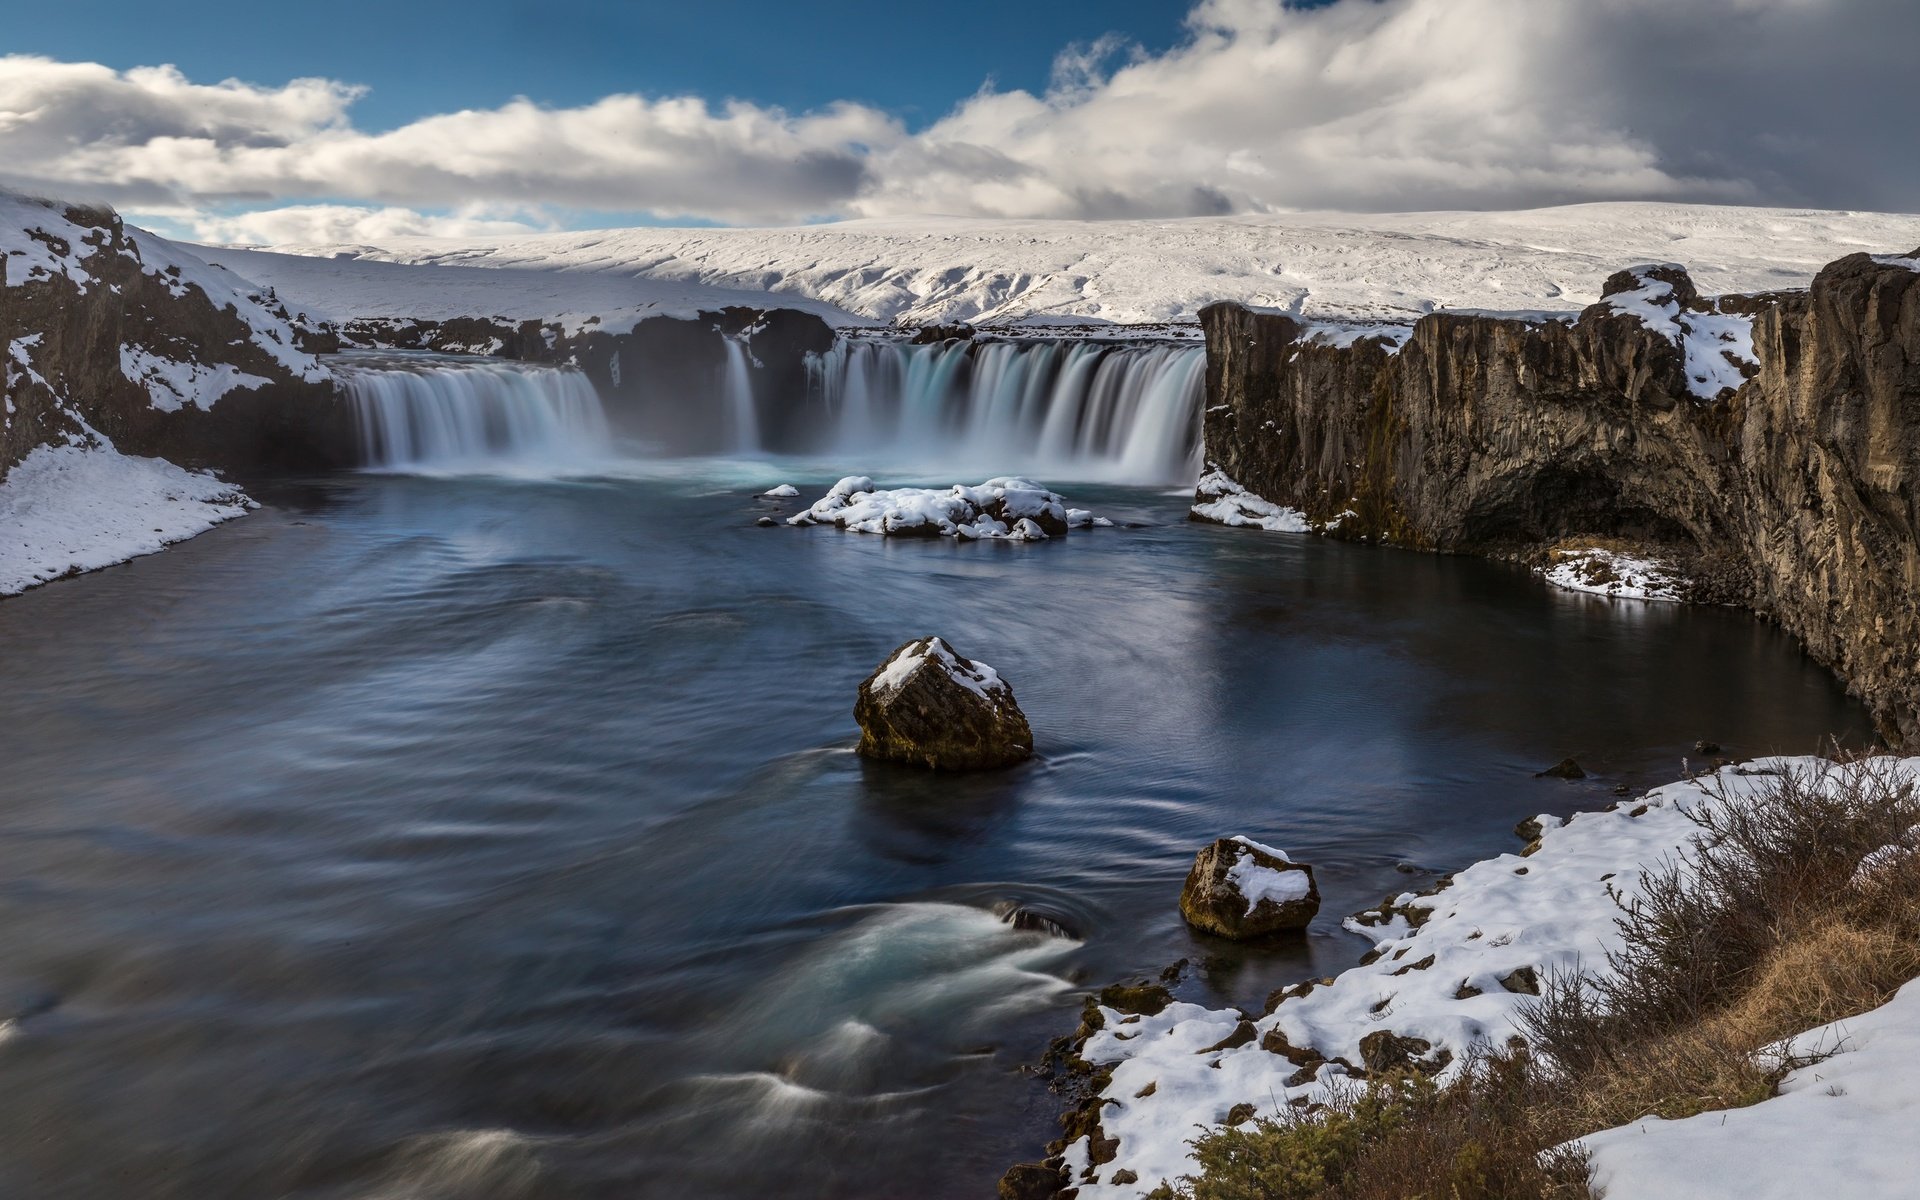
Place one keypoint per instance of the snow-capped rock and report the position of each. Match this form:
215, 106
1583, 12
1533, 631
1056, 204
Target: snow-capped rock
931, 707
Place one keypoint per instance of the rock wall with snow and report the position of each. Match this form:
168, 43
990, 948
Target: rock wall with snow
1766, 446
107, 330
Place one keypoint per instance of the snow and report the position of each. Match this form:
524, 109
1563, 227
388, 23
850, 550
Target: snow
1841, 1127
1003, 508
1438, 977
1225, 502
65, 509
1910, 261
349, 284
1362, 267
171, 384
1258, 883
976, 677
1715, 346
1612, 573
783, 490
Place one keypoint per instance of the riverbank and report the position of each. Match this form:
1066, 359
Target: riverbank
1458, 972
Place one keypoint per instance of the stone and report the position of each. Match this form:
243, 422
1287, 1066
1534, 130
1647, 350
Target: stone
1032, 1181
1385, 1052
932, 707
1566, 768
767, 522
1240, 889
1240, 1113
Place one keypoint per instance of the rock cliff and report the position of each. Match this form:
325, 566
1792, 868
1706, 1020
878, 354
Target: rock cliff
1767, 446
107, 329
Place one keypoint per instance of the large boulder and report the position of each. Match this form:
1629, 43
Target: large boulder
929, 706
1241, 889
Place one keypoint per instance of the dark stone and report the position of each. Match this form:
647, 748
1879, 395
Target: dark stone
1240, 1113
1242, 1034
1212, 902
943, 711
1706, 747
768, 522
1385, 1052
1146, 999
1566, 768
1032, 1181
1525, 981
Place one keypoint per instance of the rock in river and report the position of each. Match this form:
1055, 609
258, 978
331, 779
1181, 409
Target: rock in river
1239, 888
929, 706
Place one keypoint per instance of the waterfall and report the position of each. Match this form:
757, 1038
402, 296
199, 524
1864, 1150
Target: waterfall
738, 386
422, 411
1117, 410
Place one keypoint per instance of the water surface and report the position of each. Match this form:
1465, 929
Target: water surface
463, 837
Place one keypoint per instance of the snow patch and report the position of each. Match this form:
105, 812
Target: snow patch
1225, 502
171, 384
1717, 348
1841, 1127
976, 677
66, 509
1612, 573
783, 490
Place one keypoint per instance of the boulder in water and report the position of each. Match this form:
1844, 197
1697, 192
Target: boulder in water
929, 706
1005, 507
1241, 889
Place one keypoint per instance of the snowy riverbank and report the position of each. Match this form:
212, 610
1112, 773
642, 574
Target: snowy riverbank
1453, 969
68, 509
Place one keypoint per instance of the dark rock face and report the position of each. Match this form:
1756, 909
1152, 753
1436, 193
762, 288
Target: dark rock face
1239, 890
1794, 495
103, 305
931, 707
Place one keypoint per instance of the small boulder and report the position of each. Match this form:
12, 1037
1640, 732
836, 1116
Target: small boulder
1566, 768
1241, 889
1032, 1181
931, 707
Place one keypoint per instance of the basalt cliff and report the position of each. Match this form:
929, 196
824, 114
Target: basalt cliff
1768, 447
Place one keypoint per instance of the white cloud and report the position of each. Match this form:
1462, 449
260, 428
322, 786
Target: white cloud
347, 224
1367, 104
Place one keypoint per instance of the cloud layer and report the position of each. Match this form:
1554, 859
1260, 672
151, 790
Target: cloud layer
1361, 104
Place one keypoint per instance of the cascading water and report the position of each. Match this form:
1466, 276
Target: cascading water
422, 411
1124, 411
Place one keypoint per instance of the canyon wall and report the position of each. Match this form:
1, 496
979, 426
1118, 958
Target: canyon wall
1791, 493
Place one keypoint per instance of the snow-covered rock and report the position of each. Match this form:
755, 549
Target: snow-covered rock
1241, 889
929, 706
1219, 499
1006, 507
66, 509
1716, 348
782, 491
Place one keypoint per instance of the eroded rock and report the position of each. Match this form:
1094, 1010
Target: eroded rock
932, 707
1241, 889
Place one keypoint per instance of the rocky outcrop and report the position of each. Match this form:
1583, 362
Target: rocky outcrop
931, 707
1241, 889
107, 330
1784, 482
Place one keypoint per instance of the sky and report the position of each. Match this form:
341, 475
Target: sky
361, 122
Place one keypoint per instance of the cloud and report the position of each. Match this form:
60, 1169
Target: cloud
1361, 104
346, 224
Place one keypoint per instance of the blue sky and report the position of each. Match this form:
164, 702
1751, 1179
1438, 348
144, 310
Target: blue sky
426, 56
355, 121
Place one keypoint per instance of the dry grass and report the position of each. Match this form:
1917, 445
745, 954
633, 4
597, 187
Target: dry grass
1768, 927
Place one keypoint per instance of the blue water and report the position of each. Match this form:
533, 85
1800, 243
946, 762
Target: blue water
460, 837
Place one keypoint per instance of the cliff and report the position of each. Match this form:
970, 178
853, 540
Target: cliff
1765, 446
107, 329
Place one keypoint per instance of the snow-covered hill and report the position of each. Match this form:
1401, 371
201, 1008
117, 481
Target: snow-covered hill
936, 269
